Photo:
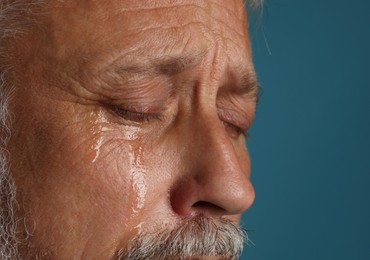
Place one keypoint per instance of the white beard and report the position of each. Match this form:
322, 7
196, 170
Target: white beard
8, 241
8, 223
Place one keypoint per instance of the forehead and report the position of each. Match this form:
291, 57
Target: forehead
90, 26
165, 8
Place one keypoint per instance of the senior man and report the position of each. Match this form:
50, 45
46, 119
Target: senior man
123, 128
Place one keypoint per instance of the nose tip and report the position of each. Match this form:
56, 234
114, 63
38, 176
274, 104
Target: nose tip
236, 196
232, 199
214, 194
217, 180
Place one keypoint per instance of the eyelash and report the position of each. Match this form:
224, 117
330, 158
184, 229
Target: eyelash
136, 116
238, 130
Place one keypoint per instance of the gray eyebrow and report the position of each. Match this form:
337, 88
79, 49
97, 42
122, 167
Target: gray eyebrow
250, 85
164, 65
175, 65
245, 82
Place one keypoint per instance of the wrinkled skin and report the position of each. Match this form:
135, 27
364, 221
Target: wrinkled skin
127, 117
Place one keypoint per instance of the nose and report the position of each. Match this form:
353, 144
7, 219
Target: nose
216, 179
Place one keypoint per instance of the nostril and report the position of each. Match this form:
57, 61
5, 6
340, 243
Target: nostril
206, 208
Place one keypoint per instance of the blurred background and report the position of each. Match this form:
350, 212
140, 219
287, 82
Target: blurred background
310, 143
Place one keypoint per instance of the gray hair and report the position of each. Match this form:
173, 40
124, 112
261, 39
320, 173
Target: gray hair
15, 19
8, 223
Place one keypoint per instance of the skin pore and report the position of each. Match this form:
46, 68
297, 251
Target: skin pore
129, 119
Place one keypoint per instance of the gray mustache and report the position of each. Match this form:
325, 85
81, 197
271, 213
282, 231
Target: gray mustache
193, 237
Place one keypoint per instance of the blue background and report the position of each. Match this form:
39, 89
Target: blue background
310, 143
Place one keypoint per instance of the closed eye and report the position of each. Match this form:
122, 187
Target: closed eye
136, 116
235, 131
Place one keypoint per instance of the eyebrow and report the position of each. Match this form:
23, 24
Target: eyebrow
249, 84
246, 80
175, 65
163, 65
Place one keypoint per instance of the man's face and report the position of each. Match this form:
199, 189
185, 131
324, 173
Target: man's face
128, 119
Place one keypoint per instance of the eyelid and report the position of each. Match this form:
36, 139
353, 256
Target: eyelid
235, 122
239, 131
134, 116
234, 118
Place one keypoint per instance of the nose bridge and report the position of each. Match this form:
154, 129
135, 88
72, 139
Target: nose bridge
215, 151
217, 162
216, 181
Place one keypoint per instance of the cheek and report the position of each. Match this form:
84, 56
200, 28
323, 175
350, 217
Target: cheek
87, 169
121, 168
105, 168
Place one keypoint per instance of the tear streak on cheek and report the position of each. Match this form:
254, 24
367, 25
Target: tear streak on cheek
96, 148
138, 179
103, 133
